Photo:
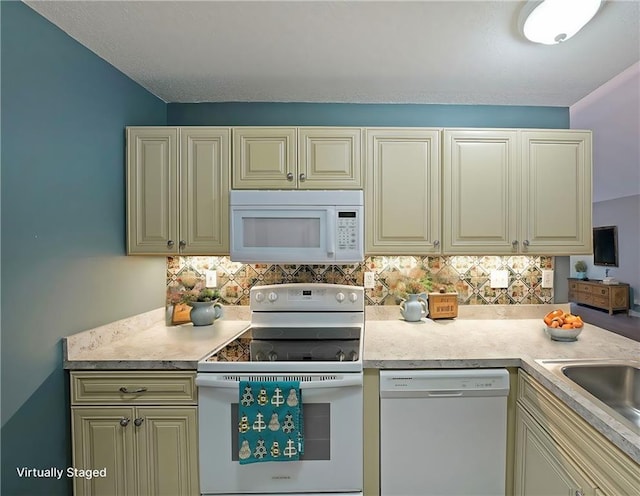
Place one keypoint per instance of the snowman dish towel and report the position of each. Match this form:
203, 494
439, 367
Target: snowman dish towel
270, 421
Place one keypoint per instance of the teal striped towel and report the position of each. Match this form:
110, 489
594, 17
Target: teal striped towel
270, 421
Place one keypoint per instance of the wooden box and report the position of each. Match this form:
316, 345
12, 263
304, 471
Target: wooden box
443, 305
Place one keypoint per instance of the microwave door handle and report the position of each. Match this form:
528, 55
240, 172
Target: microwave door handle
331, 233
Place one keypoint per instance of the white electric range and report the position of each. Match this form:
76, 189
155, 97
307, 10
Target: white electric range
311, 333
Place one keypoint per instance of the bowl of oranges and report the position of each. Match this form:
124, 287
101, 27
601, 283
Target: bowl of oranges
563, 326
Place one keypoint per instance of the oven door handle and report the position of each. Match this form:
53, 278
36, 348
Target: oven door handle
203, 380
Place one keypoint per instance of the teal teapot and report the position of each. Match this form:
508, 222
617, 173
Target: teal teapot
414, 307
203, 313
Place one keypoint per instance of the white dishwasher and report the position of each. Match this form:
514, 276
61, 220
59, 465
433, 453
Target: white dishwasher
443, 432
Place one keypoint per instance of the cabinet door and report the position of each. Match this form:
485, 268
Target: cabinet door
152, 190
167, 450
330, 158
542, 469
264, 158
402, 208
556, 192
103, 438
480, 181
205, 161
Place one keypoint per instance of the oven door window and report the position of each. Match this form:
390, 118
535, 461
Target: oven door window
317, 432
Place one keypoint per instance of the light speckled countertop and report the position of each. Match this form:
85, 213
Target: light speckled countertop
499, 336
146, 342
475, 343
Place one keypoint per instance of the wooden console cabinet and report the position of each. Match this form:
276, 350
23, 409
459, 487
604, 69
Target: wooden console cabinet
611, 297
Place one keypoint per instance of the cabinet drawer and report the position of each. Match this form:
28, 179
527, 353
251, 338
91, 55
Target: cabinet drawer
145, 388
600, 301
585, 288
586, 298
573, 286
600, 291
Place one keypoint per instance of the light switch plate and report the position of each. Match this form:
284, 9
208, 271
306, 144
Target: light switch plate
499, 279
369, 280
211, 277
547, 278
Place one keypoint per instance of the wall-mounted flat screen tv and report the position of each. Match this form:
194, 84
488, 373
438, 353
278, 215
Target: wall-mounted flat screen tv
605, 246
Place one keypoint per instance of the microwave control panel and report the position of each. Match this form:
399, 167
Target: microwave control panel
347, 230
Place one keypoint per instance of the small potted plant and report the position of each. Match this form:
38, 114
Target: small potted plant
581, 269
204, 306
413, 292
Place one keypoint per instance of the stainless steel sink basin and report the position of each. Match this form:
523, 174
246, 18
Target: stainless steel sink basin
616, 383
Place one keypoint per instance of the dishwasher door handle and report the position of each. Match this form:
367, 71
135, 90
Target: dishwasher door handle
444, 394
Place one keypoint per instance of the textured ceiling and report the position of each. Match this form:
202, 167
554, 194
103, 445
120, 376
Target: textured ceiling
458, 52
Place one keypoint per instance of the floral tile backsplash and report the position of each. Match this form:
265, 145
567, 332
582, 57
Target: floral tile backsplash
468, 276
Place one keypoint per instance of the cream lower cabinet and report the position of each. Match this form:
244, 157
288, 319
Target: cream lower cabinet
543, 470
511, 191
558, 453
297, 158
142, 442
402, 202
178, 190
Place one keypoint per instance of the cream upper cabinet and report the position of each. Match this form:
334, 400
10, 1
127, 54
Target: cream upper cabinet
402, 203
204, 191
152, 190
330, 158
516, 191
556, 192
264, 157
178, 190
297, 158
480, 190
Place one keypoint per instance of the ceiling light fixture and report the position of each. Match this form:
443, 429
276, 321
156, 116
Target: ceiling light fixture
555, 21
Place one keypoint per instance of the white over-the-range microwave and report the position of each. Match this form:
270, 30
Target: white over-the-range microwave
320, 227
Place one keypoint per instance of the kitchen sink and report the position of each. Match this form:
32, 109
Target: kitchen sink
616, 383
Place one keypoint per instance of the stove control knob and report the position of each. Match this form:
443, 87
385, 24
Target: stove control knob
273, 296
340, 297
259, 357
353, 356
340, 356
353, 297
273, 356
259, 297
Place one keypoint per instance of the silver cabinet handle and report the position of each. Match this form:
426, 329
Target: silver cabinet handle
290, 176
170, 243
303, 177
514, 242
124, 421
182, 243
579, 492
125, 390
436, 242
526, 242
138, 422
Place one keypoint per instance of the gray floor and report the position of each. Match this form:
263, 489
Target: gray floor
618, 322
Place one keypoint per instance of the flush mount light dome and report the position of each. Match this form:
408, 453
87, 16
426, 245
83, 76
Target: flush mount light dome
554, 21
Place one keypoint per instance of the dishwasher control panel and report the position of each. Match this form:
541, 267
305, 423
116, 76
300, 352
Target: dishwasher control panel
444, 382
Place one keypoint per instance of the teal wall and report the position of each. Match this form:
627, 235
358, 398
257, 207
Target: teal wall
353, 114
63, 263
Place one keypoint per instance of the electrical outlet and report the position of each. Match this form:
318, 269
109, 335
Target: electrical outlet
499, 279
369, 280
211, 277
547, 278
